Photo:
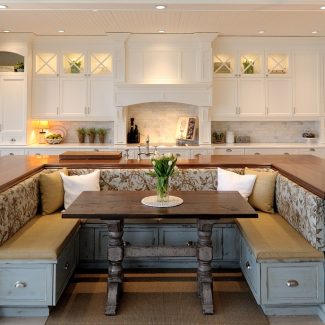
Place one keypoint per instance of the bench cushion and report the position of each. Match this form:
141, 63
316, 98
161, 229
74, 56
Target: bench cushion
43, 237
271, 238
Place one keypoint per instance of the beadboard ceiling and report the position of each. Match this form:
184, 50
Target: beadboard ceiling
98, 17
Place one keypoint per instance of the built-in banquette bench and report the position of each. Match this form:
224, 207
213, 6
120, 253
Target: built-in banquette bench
281, 254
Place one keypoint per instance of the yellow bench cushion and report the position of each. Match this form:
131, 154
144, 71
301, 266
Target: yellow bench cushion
43, 237
271, 238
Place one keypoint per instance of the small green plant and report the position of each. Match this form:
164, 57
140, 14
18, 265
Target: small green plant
101, 131
248, 65
19, 67
81, 131
81, 134
91, 131
75, 66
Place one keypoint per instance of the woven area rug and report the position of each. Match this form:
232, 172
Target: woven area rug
145, 308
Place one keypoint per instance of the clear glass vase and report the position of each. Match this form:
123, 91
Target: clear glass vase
162, 189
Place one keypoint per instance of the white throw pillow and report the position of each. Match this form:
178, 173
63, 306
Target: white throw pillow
229, 181
74, 185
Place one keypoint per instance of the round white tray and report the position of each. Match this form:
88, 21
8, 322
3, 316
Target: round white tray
152, 201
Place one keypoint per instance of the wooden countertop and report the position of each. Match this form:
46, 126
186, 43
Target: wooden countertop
307, 171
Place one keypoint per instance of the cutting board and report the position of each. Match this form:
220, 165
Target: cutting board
98, 155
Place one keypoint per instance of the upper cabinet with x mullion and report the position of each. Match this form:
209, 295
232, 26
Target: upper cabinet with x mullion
73, 85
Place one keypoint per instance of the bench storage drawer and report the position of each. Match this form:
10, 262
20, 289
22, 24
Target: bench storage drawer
24, 283
65, 265
292, 283
250, 268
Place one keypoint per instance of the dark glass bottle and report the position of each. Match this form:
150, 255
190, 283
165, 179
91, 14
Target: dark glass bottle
136, 134
131, 133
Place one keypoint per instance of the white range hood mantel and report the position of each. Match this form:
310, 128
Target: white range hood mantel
198, 94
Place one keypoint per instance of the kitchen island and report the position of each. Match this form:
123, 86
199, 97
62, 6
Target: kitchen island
305, 170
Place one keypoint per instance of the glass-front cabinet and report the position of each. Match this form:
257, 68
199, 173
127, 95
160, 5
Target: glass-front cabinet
74, 81
252, 84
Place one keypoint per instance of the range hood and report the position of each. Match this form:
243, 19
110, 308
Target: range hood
198, 94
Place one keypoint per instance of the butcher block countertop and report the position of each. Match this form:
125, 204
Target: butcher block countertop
306, 170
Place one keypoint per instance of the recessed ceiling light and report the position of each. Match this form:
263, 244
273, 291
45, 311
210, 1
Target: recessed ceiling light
314, 32
3, 7
61, 31
6, 31
160, 7
161, 31
322, 8
261, 31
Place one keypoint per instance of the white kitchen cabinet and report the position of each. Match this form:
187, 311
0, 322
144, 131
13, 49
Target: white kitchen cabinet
271, 151
73, 97
12, 152
318, 152
229, 151
73, 85
13, 109
306, 83
251, 97
278, 97
224, 97
46, 97
200, 152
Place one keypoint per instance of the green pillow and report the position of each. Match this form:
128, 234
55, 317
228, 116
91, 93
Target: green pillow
52, 192
262, 196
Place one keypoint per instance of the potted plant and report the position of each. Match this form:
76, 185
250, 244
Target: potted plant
75, 66
19, 67
101, 134
91, 132
81, 134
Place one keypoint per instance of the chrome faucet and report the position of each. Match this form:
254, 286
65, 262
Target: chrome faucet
147, 152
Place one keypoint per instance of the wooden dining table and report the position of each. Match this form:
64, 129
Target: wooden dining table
112, 207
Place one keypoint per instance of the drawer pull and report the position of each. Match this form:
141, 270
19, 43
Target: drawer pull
66, 266
286, 153
190, 243
312, 149
20, 284
257, 153
228, 150
248, 266
292, 283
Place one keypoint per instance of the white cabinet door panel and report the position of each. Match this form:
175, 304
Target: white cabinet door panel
306, 83
45, 98
73, 97
279, 97
251, 96
224, 97
101, 97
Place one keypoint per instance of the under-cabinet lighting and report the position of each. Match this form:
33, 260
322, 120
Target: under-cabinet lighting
3, 7
161, 31
261, 31
322, 8
6, 31
61, 31
160, 7
314, 32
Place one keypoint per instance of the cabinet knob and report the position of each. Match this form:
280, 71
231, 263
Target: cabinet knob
228, 150
66, 266
248, 266
190, 243
12, 140
20, 284
292, 283
11, 154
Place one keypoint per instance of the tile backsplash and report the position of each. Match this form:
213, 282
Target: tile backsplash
72, 126
159, 120
268, 132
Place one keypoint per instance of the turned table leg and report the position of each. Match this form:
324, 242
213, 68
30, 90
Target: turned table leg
204, 273
115, 252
